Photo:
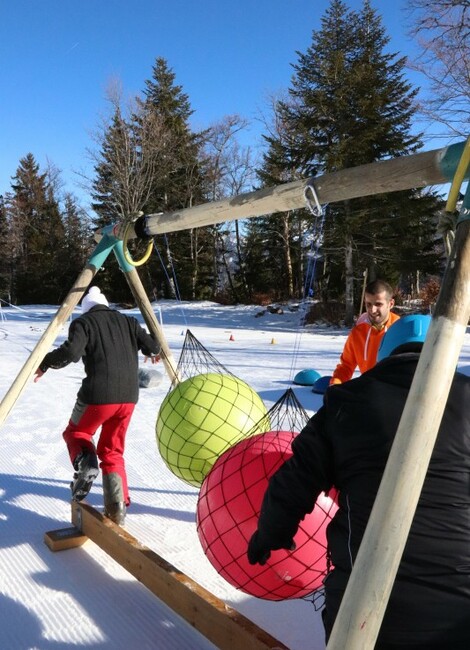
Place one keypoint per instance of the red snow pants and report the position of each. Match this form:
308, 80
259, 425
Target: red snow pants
114, 420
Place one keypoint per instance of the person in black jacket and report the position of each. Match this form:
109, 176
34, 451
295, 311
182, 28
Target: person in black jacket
346, 445
108, 343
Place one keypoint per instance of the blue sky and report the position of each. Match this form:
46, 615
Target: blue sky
58, 56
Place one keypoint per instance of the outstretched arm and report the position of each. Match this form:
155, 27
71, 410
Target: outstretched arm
347, 362
148, 345
293, 491
70, 351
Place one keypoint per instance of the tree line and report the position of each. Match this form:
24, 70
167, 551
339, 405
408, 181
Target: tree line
349, 103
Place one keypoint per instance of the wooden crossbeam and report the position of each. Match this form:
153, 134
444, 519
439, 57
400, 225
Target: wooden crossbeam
223, 626
417, 170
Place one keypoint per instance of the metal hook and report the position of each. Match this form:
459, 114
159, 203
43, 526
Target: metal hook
316, 209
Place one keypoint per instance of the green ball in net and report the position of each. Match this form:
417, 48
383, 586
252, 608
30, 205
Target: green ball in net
201, 418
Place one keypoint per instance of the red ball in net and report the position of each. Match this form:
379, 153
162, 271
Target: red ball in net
227, 515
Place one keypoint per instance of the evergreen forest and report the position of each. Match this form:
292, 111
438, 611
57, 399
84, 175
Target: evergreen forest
349, 103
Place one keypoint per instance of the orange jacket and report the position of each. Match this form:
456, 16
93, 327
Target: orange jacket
360, 349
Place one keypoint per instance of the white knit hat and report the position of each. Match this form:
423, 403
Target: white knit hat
92, 298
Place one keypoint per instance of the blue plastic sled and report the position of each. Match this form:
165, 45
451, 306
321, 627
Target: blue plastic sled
321, 384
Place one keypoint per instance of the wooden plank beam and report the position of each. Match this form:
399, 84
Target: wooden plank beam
417, 170
223, 626
64, 538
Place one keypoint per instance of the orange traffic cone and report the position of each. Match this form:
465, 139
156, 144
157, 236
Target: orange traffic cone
231, 338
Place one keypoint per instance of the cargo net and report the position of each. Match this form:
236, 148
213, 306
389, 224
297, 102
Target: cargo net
287, 414
195, 359
204, 414
230, 502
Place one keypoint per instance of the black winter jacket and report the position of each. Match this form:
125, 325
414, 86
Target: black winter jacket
108, 343
346, 445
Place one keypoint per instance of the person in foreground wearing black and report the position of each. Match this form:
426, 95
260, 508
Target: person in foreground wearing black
346, 445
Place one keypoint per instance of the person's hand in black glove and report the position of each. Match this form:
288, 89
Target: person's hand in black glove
259, 548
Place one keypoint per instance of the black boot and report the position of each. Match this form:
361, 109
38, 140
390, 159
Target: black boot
113, 494
116, 512
86, 470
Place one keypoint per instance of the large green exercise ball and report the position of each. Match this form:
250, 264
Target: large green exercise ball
201, 418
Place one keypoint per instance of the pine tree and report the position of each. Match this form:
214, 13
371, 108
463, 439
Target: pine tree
78, 242
5, 264
126, 170
107, 187
37, 234
178, 184
275, 246
350, 106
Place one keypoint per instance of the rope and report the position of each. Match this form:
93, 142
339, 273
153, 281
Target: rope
177, 293
318, 212
173, 272
446, 227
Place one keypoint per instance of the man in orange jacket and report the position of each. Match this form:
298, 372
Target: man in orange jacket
362, 344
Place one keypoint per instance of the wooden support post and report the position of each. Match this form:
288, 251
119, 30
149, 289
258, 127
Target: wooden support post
104, 247
152, 323
46, 340
145, 306
365, 599
223, 626
72, 299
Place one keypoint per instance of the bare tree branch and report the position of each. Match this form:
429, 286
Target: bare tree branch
442, 31
133, 145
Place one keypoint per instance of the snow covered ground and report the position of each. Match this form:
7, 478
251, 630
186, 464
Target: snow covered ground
81, 598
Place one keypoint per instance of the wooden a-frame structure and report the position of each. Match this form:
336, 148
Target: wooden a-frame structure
363, 606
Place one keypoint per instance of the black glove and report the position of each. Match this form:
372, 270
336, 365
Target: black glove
257, 553
259, 549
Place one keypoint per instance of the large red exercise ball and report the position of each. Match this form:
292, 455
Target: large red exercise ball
201, 418
227, 515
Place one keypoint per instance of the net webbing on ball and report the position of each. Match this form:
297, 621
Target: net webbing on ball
206, 413
195, 359
230, 502
201, 418
287, 414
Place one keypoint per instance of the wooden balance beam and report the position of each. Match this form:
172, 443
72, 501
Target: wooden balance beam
223, 626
